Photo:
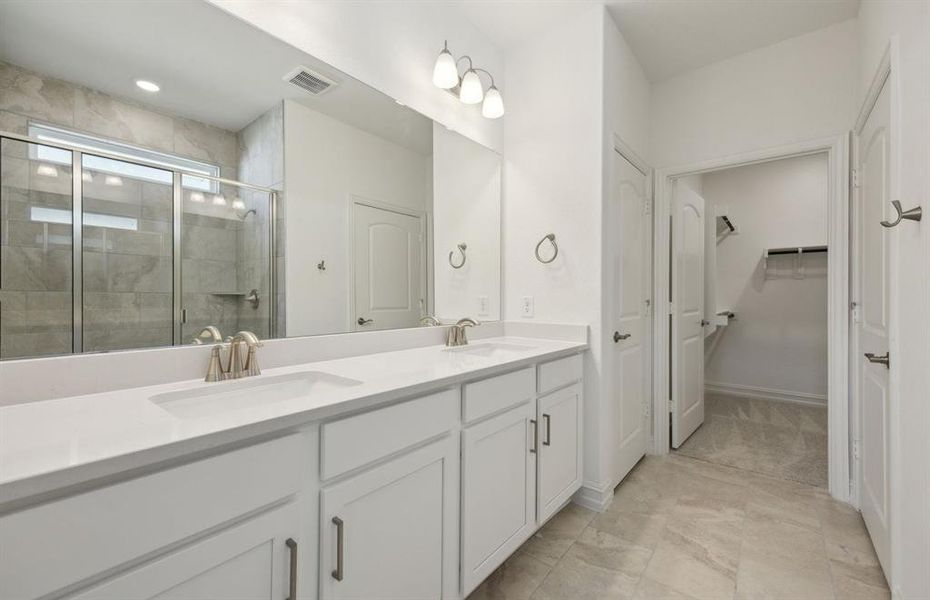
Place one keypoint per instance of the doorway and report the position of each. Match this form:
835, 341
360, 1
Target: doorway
689, 393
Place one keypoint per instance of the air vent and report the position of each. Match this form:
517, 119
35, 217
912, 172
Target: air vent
309, 81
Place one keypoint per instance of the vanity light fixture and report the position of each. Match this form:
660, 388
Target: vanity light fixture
219, 200
470, 89
196, 197
86, 177
237, 203
47, 171
148, 86
114, 180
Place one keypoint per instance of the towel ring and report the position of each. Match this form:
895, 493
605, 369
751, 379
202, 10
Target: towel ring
555, 247
462, 248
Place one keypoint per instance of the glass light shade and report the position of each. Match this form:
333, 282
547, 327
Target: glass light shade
471, 91
493, 106
445, 73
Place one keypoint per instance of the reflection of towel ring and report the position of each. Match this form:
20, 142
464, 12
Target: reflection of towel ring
462, 248
551, 238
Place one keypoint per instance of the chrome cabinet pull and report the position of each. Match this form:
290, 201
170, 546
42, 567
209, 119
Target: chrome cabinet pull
339, 572
292, 545
364, 321
621, 336
911, 214
884, 359
535, 436
548, 439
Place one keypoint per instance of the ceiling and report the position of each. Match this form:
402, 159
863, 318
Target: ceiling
211, 66
668, 36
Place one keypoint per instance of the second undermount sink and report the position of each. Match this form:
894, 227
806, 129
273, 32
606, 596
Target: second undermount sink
492, 349
249, 393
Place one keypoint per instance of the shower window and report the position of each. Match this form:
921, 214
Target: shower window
118, 168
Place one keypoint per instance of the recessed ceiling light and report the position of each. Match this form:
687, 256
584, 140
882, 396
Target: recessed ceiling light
148, 86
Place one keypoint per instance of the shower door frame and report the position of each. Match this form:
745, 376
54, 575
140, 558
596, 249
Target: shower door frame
77, 234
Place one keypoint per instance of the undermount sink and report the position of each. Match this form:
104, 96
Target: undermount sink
243, 394
491, 349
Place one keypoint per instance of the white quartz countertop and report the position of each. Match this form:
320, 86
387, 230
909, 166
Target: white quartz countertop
53, 444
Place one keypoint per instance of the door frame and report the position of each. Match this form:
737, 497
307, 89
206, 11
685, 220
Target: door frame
837, 150
356, 200
886, 74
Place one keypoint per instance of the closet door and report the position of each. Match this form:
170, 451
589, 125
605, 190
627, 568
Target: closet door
687, 314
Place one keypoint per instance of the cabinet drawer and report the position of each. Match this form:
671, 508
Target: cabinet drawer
559, 373
493, 395
359, 440
61, 543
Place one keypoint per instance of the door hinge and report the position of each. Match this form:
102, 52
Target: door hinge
855, 449
856, 313
647, 207
855, 178
671, 406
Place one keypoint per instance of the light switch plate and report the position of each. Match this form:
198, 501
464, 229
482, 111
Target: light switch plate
528, 307
484, 306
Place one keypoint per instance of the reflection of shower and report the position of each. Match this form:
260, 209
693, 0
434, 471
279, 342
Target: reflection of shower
242, 217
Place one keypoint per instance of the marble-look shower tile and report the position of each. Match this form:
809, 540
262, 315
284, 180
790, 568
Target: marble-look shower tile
14, 173
104, 115
131, 273
24, 92
551, 542
13, 123
205, 142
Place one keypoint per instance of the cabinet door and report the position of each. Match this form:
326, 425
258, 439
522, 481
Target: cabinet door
498, 491
559, 449
391, 532
249, 561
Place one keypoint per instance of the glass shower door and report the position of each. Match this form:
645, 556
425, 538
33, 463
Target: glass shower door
127, 255
36, 201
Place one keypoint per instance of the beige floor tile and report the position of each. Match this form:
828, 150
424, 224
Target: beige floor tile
516, 579
642, 530
574, 579
794, 544
604, 550
858, 582
551, 542
684, 570
763, 576
647, 589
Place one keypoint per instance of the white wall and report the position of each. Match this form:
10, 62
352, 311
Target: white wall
553, 184
326, 162
780, 321
467, 209
795, 90
391, 46
910, 21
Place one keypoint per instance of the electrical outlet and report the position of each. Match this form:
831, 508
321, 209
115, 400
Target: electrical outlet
527, 308
484, 306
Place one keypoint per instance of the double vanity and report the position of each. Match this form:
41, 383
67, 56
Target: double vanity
405, 474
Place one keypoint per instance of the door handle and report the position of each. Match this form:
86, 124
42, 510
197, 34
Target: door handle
548, 440
884, 359
339, 571
292, 545
621, 336
704, 322
364, 321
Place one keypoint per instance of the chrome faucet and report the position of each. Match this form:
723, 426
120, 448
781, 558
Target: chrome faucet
234, 368
456, 335
429, 321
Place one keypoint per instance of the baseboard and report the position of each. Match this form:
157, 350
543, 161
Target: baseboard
593, 497
748, 391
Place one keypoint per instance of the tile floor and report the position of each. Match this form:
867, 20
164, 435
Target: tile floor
680, 528
784, 440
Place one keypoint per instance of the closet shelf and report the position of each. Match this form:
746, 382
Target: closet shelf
797, 252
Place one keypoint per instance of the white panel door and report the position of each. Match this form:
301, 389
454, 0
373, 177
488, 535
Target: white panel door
250, 561
498, 491
628, 278
387, 532
873, 206
560, 425
389, 269
687, 313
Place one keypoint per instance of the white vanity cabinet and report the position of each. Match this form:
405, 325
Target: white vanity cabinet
498, 472
559, 418
256, 559
390, 530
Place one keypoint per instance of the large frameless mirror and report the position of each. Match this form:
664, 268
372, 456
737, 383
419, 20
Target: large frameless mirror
171, 175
